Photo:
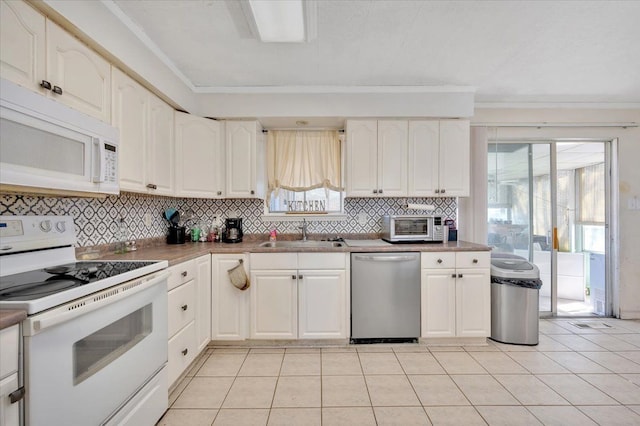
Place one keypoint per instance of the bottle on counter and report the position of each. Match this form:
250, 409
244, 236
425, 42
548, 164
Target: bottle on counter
121, 236
273, 235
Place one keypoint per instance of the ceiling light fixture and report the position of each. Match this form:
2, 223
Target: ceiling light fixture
281, 21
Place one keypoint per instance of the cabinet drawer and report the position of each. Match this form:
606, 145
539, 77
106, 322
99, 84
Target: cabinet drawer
9, 350
438, 260
181, 273
473, 259
181, 306
182, 350
321, 260
274, 261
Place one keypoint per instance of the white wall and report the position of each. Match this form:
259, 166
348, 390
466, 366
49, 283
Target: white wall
627, 259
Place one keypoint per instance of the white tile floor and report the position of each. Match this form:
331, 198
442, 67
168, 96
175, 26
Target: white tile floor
574, 376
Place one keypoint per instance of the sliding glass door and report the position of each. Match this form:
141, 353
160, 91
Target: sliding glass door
547, 203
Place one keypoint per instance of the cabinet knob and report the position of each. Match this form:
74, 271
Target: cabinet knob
57, 90
184, 307
219, 193
293, 277
152, 186
185, 351
375, 191
184, 273
459, 275
475, 260
299, 277
253, 192
17, 395
442, 191
45, 85
379, 191
439, 260
437, 191
453, 275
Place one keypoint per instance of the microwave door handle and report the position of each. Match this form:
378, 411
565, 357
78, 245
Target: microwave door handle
99, 158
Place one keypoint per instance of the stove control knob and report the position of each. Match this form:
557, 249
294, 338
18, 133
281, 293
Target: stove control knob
45, 225
61, 227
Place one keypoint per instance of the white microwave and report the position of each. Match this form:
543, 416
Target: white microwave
416, 229
45, 144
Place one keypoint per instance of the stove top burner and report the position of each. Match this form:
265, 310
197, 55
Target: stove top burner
40, 283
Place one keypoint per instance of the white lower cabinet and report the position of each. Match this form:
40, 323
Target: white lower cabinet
299, 295
456, 294
274, 304
230, 305
189, 313
9, 343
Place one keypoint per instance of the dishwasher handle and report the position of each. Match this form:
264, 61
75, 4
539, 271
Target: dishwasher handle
375, 258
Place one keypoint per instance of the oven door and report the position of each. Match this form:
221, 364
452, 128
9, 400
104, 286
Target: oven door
85, 360
419, 228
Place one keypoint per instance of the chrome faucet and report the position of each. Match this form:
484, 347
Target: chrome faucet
304, 229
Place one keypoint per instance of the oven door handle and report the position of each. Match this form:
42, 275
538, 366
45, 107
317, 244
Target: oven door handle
92, 302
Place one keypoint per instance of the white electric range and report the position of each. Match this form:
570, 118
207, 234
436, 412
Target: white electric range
95, 339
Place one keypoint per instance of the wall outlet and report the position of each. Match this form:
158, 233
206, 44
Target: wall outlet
633, 203
147, 219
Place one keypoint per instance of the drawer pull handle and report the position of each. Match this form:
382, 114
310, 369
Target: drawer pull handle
184, 273
45, 85
475, 260
459, 275
152, 186
184, 307
17, 395
439, 260
185, 351
57, 90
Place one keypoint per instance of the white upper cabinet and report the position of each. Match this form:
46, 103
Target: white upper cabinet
146, 137
245, 160
439, 158
160, 163
376, 158
83, 76
22, 44
41, 56
199, 157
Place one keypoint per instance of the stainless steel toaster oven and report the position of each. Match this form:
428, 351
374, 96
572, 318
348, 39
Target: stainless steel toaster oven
404, 229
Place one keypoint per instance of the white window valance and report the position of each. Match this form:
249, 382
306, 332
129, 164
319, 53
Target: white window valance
304, 160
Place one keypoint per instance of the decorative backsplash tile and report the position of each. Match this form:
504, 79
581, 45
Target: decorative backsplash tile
96, 218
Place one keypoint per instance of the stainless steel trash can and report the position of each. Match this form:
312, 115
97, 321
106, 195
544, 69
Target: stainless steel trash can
515, 288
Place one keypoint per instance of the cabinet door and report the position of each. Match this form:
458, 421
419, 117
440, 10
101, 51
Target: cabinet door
198, 156
454, 158
241, 159
473, 303
22, 44
9, 413
160, 166
322, 304
83, 75
362, 158
274, 304
203, 301
130, 110
392, 158
229, 305
423, 159
438, 294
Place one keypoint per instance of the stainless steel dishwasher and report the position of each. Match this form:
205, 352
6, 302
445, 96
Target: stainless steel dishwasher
385, 297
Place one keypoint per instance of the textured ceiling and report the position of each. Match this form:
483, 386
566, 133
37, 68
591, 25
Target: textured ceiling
511, 51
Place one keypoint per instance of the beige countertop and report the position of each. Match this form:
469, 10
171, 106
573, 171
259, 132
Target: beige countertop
9, 317
177, 253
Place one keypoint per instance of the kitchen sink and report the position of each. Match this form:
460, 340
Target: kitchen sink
302, 244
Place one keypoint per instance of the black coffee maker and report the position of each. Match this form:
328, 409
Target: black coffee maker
233, 230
